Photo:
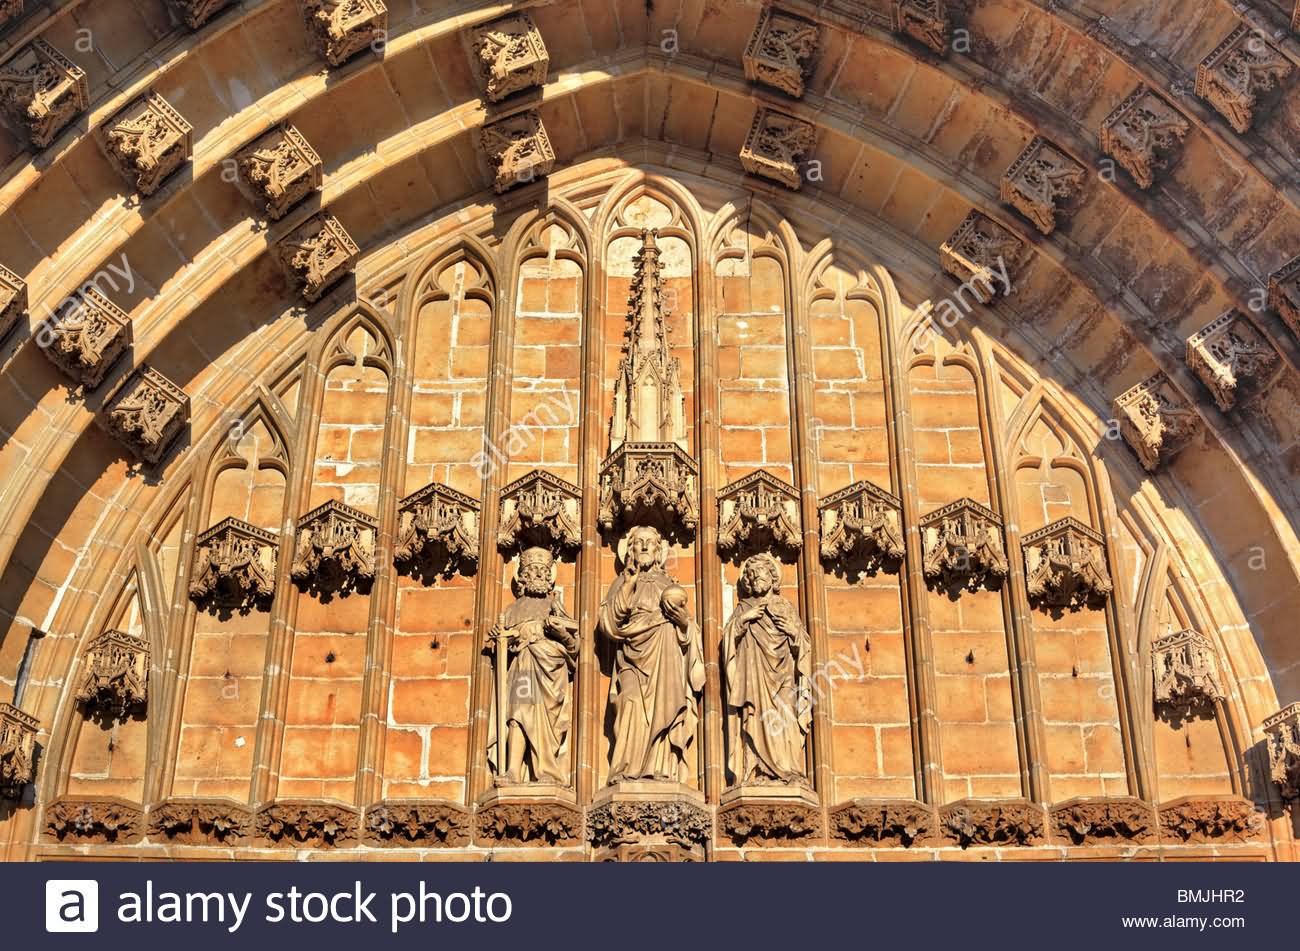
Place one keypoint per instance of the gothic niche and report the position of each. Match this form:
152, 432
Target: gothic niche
234, 567
1238, 73
1185, 674
1041, 182
343, 28
1141, 133
963, 547
518, 150
540, 510
146, 414
13, 300
437, 532
1284, 294
195, 13
1282, 730
511, 55
84, 338
981, 254
780, 52
335, 552
281, 169
648, 479
1155, 420
1232, 358
41, 91
147, 141
116, 681
776, 146
1065, 566
860, 530
316, 254
17, 750
759, 513
925, 21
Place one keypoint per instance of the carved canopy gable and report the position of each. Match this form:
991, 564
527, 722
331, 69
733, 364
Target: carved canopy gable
963, 546
777, 145
1232, 358
116, 679
147, 141
335, 548
649, 484
1282, 730
1065, 565
1140, 133
438, 520
1185, 672
925, 21
1284, 293
84, 338
780, 52
1240, 70
195, 13
17, 750
518, 150
981, 254
234, 565
41, 91
281, 168
146, 414
759, 513
343, 28
13, 300
861, 524
317, 254
511, 55
542, 510
1041, 180
1155, 420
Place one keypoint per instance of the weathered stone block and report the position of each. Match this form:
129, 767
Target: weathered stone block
776, 146
41, 91
147, 141
511, 55
780, 52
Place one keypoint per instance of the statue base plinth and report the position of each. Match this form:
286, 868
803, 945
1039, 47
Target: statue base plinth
648, 821
769, 814
642, 790
775, 793
528, 815
528, 792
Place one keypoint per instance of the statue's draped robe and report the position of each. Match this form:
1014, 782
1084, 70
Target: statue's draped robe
658, 673
768, 670
542, 710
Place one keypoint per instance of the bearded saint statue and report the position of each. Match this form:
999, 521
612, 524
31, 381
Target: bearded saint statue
542, 646
658, 664
766, 656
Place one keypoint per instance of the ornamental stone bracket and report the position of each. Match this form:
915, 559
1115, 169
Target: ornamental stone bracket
1210, 820
335, 549
528, 824
200, 822
1185, 673
649, 484
759, 512
281, 169
97, 820
776, 146
1155, 420
1120, 820
925, 21
981, 254
992, 822
1284, 293
1042, 181
1238, 74
312, 824
317, 254
234, 566
659, 827
147, 141
195, 13
780, 52
883, 823
343, 28
86, 336
1233, 359
438, 532
41, 91
418, 823
146, 414
13, 300
1282, 732
1141, 134
518, 150
1065, 566
17, 750
511, 55
744, 822
116, 680
963, 547
540, 510
860, 529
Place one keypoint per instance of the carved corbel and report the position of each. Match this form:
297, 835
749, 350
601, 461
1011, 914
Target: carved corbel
1121, 820
540, 510
17, 750
776, 146
298, 824
511, 55
281, 168
116, 679
147, 141
963, 546
1284, 293
1204, 820
1232, 358
1282, 733
769, 823
146, 414
1238, 73
759, 513
85, 336
13, 300
234, 566
532, 823
1042, 181
981, 254
418, 823
649, 484
438, 528
41, 91
1155, 421
317, 254
99, 820
925, 21
995, 822
343, 28
195, 13
666, 825
335, 548
860, 528
1065, 565
780, 52
518, 150
200, 821
1141, 133
883, 823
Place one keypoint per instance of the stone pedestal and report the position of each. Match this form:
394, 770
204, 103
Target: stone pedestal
769, 814
528, 815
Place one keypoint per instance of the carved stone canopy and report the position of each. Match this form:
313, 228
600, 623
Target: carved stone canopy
335, 549
1141, 133
41, 91
195, 13
281, 168
147, 141
649, 484
1282, 731
776, 146
146, 414
1185, 672
13, 300
963, 546
511, 55
343, 28
1041, 181
1240, 70
860, 528
1065, 565
981, 254
1155, 420
438, 524
759, 513
116, 679
85, 336
540, 510
17, 750
1284, 293
925, 21
780, 52
234, 566
1232, 358
518, 150
316, 254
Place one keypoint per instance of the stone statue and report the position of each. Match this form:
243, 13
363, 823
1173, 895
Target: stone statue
658, 665
767, 663
535, 644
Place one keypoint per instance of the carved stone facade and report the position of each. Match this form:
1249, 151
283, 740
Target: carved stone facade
1284, 293
659, 824
861, 529
335, 551
1155, 421
1065, 565
759, 513
1041, 182
234, 566
1232, 358
769, 823
281, 168
1282, 732
518, 150
13, 300
317, 254
528, 824
41, 91
146, 414
147, 141
925, 21
540, 509
195, 13
883, 823
963, 546
418, 823
17, 750
1185, 671
777, 146
438, 530
116, 678
511, 55
343, 28
649, 484
780, 52
94, 820
298, 824
980, 822
981, 254
1197, 820
1240, 70
200, 822
1104, 821
85, 337
1141, 133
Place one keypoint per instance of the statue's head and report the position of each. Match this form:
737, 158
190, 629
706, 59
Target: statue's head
535, 571
760, 574
643, 547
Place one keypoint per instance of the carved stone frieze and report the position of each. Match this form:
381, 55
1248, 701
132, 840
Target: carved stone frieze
195, 13
335, 549
304, 823
1103, 821
981, 254
116, 678
1065, 565
1141, 133
41, 91
1282, 731
423, 823
316, 254
769, 823
9, 9
234, 566
518, 150
13, 300
147, 141
1155, 420
925, 21
860, 528
963, 546
1208, 820
511, 55
992, 822
1041, 181
343, 28
281, 168
438, 531
882, 823
776, 146
618, 822
146, 414
1240, 70
86, 335
540, 510
17, 750
759, 513
649, 484
1185, 672
530, 823
200, 821
780, 52
1284, 292
1232, 358
94, 819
